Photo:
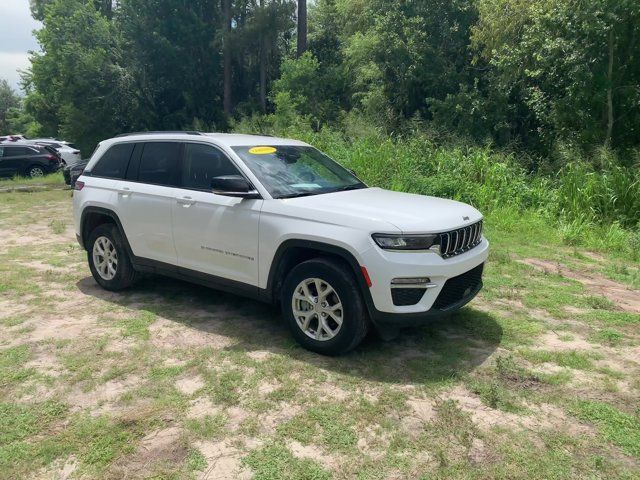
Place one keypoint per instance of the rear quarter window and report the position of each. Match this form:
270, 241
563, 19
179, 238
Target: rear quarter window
114, 162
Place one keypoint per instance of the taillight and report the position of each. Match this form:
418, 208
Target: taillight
52, 158
78, 185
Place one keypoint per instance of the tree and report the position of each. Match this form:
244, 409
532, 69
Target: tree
573, 66
9, 100
76, 89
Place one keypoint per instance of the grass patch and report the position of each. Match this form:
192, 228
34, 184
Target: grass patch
210, 427
54, 179
570, 359
137, 326
275, 461
615, 426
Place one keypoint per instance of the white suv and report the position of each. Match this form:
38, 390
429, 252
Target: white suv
276, 220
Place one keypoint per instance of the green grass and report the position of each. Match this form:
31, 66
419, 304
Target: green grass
615, 426
210, 427
383, 411
569, 359
275, 461
54, 179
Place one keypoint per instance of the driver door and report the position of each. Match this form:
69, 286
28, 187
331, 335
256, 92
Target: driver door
214, 234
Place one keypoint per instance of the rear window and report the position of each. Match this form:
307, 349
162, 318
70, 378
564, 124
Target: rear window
159, 163
113, 164
18, 151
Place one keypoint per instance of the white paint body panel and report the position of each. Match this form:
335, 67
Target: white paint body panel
217, 235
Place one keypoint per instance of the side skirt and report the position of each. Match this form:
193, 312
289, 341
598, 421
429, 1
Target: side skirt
212, 281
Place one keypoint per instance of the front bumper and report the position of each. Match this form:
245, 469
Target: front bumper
383, 266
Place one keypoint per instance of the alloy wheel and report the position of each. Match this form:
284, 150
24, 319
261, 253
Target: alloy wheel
36, 172
105, 258
317, 309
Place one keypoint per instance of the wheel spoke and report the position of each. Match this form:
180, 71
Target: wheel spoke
336, 318
307, 293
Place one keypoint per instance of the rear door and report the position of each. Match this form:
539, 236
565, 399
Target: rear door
145, 197
15, 159
214, 234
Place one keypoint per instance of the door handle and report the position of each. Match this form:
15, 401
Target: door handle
125, 191
185, 201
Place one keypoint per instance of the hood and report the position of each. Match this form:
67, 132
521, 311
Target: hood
408, 212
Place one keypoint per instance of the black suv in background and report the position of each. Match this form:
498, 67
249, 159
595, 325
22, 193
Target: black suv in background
28, 160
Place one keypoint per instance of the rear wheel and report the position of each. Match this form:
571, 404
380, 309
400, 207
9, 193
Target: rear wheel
35, 171
324, 307
108, 258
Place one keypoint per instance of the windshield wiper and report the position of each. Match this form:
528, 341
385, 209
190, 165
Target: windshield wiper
299, 194
356, 186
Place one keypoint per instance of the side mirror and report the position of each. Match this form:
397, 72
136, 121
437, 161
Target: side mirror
233, 186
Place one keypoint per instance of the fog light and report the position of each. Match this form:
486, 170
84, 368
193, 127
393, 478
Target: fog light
410, 281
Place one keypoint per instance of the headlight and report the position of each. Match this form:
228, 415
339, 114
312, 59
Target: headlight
404, 242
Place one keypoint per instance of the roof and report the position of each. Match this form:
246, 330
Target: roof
227, 139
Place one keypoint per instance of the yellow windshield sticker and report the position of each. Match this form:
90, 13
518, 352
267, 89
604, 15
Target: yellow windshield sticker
262, 150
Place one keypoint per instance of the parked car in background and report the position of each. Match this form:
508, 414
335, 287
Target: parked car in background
11, 138
28, 159
68, 151
71, 172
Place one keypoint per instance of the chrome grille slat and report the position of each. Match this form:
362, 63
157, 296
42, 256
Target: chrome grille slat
460, 240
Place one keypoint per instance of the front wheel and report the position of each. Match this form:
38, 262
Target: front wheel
323, 307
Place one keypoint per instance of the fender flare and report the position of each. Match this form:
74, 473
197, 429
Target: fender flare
340, 252
109, 213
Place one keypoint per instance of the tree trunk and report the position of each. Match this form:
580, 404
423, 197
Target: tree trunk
610, 91
263, 65
226, 53
302, 27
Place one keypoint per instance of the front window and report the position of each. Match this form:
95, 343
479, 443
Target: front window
288, 171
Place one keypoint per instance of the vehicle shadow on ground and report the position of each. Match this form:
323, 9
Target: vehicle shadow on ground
442, 350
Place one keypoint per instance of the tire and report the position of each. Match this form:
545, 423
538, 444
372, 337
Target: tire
332, 339
36, 171
118, 275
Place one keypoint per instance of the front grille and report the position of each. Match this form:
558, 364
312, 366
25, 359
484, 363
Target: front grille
460, 240
407, 296
458, 288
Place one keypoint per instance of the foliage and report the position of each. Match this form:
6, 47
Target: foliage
560, 60
9, 101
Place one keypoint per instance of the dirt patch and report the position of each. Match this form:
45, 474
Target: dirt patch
312, 452
625, 298
223, 461
107, 393
259, 355
58, 470
164, 446
553, 341
189, 385
544, 416
271, 420
201, 407
167, 334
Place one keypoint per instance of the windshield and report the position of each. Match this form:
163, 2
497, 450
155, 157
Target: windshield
288, 171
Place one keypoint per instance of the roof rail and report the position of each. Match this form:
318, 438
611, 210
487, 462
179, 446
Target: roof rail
187, 132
